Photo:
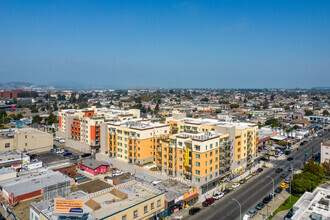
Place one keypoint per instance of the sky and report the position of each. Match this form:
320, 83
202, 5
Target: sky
168, 44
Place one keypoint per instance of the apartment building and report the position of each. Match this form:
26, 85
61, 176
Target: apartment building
134, 141
243, 138
201, 158
81, 128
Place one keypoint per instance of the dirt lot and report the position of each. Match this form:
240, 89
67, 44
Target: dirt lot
91, 186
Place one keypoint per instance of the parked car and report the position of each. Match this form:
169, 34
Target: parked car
264, 159
290, 158
252, 213
290, 168
226, 191
287, 180
74, 157
283, 185
242, 181
117, 173
67, 155
208, 202
267, 199
259, 170
235, 185
86, 155
194, 210
218, 196
284, 175
278, 170
80, 177
260, 205
278, 190
62, 141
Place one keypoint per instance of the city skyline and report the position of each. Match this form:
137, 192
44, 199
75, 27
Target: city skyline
172, 44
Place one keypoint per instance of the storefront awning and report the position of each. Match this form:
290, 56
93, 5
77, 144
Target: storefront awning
278, 138
191, 197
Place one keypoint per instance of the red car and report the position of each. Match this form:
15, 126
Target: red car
208, 202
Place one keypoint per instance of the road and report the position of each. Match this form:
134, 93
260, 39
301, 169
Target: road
258, 187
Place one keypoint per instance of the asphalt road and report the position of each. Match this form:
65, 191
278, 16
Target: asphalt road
258, 187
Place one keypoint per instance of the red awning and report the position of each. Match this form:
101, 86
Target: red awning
191, 197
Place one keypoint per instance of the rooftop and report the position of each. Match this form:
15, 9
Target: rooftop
200, 136
32, 184
315, 204
91, 163
138, 124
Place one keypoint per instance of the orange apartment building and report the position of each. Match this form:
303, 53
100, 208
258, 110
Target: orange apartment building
134, 141
81, 128
243, 138
201, 158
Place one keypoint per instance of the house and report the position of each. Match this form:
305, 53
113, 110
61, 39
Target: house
93, 167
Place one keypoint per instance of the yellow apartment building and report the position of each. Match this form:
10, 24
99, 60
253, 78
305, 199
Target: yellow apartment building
134, 141
202, 158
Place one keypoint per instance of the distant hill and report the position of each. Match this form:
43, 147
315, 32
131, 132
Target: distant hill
23, 85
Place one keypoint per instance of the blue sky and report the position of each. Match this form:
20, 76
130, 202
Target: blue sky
190, 44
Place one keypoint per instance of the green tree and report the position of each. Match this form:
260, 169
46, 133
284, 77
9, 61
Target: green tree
234, 106
325, 113
315, 168
204, 99
273, 122
156, 108
3, 114
308, 112
304, 182
34, 109
218, 110
36, 119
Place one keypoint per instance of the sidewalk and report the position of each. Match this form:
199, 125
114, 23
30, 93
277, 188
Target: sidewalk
272, 206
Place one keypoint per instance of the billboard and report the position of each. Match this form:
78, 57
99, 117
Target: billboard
68, 206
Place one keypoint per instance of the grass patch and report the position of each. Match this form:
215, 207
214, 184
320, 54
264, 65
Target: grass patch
286, 205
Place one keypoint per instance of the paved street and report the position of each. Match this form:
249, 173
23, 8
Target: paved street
254, 190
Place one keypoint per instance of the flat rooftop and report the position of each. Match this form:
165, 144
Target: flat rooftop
112, 202
138, 124
200, 136
27, 184
91, 186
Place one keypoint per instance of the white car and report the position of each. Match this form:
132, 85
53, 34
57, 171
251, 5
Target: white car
218, 196
235, 185
61, 141
117, 173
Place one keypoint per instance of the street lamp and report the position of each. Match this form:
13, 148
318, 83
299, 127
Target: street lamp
291, 179
273, 189
240, 208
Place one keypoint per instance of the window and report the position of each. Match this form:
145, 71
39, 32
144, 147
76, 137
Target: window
7, 145
211, 168
216, 151
197, 172
25, 144
198, 156
211, 161
145, 209
211, 145
197, 164
197, 180
216, 167
180, 167
197, 147
180, 159
165, 156
180, 143
205, 163
25, 136
239, 143
164, 163
124, 217
211, 153
135, 214
158, 203
216, 159
152, 206
205, 171
180, 151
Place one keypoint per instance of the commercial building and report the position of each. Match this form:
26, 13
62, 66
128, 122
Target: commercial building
81, 128
325, 151
15, 190
93, 167
134, 141
201, 158
25, 139
130, 200
10, 94
312, 205
13, 158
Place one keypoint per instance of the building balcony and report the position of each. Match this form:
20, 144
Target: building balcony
159, 158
